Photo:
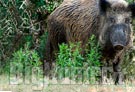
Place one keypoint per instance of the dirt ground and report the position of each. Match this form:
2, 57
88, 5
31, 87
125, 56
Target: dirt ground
68, 88
47, 85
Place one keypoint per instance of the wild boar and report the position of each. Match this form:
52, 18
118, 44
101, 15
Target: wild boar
76, 20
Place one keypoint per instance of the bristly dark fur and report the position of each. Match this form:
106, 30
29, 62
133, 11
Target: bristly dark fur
132, 8
104, 5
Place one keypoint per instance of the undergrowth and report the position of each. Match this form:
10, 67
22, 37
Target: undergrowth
81, 68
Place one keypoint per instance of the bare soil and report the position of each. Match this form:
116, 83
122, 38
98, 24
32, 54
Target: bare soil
66, 85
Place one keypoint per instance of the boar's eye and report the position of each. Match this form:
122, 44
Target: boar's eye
112, 20
128, 20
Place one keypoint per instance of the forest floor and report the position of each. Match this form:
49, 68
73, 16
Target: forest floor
47, 85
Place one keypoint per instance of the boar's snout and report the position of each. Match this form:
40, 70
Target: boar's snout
118, 47
118, 37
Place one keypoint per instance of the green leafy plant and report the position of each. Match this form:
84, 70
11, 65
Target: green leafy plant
70, 63
128, 65
24, 61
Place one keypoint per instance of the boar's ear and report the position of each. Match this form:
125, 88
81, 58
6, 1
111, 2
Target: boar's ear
132, 9
104, 4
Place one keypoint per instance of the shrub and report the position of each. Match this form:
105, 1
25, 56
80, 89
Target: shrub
24, 61
128, 65
22, 21
70, 63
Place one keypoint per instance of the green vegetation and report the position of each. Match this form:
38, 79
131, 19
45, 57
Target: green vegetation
22, 22
70, 63
130, 1
24, 60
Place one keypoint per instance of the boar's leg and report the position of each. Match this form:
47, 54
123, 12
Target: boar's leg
47, 61
103, 75
104, 72
117, 72
47, 66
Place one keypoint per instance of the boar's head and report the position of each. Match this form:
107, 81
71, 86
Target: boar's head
116, 23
